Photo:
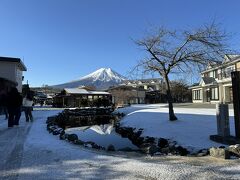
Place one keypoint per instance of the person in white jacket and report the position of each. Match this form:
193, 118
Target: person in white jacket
27, 105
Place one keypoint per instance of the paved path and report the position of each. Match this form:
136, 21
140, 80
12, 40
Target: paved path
11, 148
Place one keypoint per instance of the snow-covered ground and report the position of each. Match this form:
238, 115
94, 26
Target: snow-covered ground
44, 156
192, 129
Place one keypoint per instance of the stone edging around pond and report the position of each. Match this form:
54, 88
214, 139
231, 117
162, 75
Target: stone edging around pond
154, 146
161, 146
147, 145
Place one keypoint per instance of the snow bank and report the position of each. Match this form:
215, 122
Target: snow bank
192, 129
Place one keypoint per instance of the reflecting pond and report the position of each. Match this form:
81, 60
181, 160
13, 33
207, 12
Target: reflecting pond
103, 135
94, 126
100, 130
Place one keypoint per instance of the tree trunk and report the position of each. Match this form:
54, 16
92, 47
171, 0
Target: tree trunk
172, 116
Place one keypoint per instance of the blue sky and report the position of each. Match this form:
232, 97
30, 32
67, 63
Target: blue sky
62, 40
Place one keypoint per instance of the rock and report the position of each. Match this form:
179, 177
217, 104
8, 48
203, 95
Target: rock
66, 136
62, 136
87, 145
117, 127
202, 152
95, 146
48, 126
50, 119
149, 148
172, 143
162, 143
172, 148
78, 142
158, 154
234, 149
126, 132
110, 148
92, 145
127, 149
153, 149
149, 139
181, 151
145, 147
219, 153
62, 132
56, 132
52, 128
121, 131
90, 142
132, 137
138, 141
165, 150
72, 137
138, 133
122, 114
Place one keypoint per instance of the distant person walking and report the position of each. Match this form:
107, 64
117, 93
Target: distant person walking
14, 103
41, 103
3, 103
27, 105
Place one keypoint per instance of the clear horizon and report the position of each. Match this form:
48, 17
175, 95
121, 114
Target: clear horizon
62, 40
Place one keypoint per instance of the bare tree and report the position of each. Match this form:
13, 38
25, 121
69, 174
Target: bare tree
174, 52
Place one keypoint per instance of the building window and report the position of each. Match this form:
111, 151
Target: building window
214, 93
211, 73
197, 94
90, 98
227, 71
215, 73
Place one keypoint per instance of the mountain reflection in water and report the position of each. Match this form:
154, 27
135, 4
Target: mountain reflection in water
103, 135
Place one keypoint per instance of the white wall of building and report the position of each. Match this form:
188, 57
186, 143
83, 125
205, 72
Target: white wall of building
11, 71
8, 71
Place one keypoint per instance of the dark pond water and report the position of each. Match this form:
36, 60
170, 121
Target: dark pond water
102, 132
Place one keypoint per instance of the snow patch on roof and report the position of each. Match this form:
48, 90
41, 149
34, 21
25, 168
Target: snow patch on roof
84, 91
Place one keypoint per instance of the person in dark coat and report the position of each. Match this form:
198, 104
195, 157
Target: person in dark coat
3, 102
14, 103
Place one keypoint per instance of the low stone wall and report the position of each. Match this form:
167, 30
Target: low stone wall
151, 145
162, 146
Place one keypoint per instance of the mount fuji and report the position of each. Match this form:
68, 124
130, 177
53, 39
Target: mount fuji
102, 78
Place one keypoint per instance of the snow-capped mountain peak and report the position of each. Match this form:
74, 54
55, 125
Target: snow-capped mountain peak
101, 79
105, 75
